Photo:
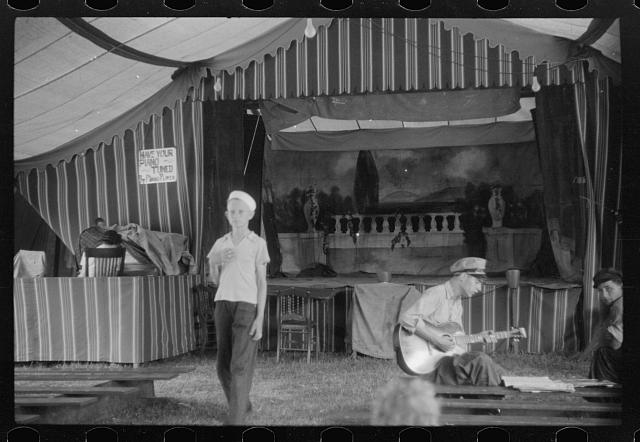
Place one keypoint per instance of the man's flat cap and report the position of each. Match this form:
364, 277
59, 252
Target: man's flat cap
605, 275
470, 265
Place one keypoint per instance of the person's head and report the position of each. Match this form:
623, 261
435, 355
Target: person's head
608, 282
468, 274
240, 209
111, 237
101, 223
406, 401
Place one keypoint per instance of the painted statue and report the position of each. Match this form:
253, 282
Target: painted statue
311, 209
496, 206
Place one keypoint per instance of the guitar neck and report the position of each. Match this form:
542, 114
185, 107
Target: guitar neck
471, 339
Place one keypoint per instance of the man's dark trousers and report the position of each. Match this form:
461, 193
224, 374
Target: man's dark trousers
236, 355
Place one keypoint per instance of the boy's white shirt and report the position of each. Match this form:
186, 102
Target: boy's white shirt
239, 289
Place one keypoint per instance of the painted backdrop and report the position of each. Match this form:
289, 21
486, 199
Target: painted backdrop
406, 180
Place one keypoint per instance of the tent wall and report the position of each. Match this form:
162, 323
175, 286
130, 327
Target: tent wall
362, 55
31, 232
103, 181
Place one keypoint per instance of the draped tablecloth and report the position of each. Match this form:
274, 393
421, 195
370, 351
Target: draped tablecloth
375, 312
103, 319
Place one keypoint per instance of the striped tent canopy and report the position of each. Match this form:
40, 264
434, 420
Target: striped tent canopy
95, 174
95, 70
103, 182
364, 55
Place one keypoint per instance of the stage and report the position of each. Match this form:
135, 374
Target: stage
357, 313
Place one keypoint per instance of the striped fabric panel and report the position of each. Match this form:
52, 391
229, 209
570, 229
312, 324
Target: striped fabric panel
411, 54
360, 55
103, 182
343, 56
488, 311
595, 164
457, 59
548, 317
120, 320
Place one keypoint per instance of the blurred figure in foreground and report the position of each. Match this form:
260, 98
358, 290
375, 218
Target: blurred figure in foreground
406, 400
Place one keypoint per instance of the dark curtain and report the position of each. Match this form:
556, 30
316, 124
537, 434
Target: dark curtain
252, 168
31, 232
269, 217
563, 177
223, 162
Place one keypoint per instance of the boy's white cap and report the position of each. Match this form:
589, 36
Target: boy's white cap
244, 197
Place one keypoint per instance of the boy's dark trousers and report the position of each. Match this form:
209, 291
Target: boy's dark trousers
236, 355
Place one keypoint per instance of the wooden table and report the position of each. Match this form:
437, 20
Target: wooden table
126, 320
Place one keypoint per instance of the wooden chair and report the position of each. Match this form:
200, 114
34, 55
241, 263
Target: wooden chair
297, 331
108, 261
204, 305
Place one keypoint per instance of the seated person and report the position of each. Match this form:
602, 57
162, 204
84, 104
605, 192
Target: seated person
109, 239
606, 361
442, 304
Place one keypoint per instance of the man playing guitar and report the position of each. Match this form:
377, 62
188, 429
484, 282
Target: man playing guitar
441, 305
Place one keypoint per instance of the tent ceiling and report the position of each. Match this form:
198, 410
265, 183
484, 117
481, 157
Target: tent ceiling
66, 86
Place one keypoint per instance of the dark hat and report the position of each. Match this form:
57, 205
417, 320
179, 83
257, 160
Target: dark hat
471, 265
111, 237
605, 275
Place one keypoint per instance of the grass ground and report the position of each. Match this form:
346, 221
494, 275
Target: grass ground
293, 392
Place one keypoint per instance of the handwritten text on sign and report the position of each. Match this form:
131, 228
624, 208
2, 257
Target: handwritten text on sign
157, 165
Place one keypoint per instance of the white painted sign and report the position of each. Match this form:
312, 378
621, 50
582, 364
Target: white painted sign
157, 166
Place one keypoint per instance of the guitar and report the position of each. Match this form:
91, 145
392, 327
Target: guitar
417, 356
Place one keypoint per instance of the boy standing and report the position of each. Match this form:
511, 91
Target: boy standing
238, 266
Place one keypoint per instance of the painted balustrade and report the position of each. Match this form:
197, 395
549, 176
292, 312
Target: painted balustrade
446, 222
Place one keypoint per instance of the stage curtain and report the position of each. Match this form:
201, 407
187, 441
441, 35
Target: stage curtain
563, 177
274, 268
413, 106
406, 138
593, 110
223, 162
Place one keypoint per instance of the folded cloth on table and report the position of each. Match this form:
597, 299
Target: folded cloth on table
165, 250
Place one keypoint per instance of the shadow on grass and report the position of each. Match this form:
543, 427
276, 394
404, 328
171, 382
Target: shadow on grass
170, 411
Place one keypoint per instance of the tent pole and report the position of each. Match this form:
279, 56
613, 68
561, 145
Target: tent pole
617, 213
255, 129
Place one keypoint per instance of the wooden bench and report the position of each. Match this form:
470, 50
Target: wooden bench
491, 406
26, 418
33, 402
469, 405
